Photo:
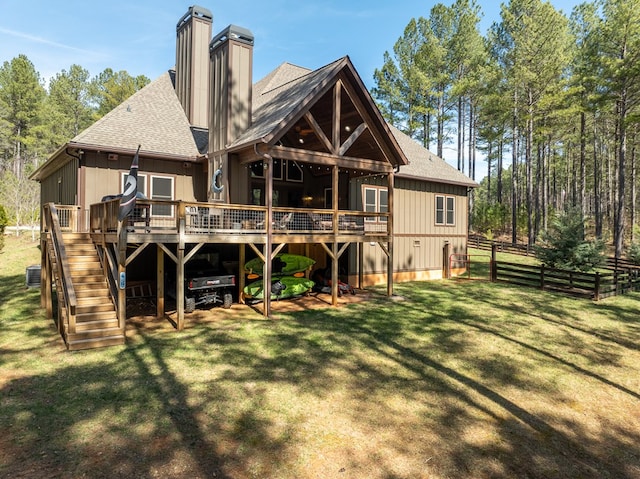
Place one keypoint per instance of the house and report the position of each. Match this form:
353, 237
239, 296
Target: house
301, 161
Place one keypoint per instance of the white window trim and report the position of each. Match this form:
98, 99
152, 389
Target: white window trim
378, 190
445, 210
123, 181
173, 194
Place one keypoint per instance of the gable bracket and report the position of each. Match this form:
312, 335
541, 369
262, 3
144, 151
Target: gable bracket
352, 138
318, 131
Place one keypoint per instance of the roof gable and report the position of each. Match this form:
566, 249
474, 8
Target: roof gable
152, 117
293, 105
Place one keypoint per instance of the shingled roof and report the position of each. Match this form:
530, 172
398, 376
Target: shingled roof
425, 165
279, 94
152, 117
293, 83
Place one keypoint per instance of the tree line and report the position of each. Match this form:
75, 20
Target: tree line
549, 101
37, 119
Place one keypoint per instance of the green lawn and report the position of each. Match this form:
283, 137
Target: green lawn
451, 379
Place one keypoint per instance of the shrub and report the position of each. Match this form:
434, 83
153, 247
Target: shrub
633, 252
563, 244
3, 224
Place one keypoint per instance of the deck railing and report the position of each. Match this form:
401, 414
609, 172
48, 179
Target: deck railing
54, 229
157, 216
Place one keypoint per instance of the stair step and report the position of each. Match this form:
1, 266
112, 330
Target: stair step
96, 332
90, 343
85, 307
79, 278
96, 326
88, 317
85, 293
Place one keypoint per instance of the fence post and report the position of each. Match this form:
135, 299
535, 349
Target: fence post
493, 271
542, 276
597, 291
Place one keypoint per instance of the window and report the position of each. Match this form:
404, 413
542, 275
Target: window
161, 189
375, 199
445, 210
294, 172
142, 183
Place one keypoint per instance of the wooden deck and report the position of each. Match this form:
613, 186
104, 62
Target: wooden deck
180, 228
177, 222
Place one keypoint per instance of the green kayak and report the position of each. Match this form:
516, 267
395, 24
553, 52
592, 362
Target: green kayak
281, 288
284, 263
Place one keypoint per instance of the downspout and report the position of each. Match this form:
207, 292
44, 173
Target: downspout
266, 276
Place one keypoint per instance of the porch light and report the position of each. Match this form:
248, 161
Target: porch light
347, 128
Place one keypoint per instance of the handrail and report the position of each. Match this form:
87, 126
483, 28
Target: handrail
53, 225
164, 216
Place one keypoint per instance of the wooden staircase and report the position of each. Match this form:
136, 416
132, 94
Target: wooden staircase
96, 315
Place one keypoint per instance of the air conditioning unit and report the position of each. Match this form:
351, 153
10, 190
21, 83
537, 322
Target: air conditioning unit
112, 156
33, 276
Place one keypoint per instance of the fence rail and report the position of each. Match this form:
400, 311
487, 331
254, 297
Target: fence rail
619, 276
594, 286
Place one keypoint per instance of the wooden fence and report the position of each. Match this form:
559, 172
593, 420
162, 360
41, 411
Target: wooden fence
594, 286
480, 242
618, 276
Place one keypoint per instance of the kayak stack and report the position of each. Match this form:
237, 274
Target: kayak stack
287, 276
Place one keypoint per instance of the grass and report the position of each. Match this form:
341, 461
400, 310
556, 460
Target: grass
451, 379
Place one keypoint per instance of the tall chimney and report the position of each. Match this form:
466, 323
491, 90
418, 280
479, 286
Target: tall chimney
193, 32
231, 73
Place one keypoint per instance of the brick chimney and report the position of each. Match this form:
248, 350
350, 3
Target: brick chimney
193, 33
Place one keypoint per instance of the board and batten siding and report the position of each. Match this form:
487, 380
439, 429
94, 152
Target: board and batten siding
418, 241
102, 176
61, 187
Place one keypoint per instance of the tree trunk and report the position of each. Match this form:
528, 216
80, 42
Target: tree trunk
529, 172
514, 172
583, 163
622, 152
499, 168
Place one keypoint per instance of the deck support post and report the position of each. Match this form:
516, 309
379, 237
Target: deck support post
122, 275
242, 254
180, 278
159, 282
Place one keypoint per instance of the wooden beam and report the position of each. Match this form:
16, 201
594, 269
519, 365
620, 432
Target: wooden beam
137, 251
241, 276
326, 248
337, 101
193, 251
266, 277
168, 252
180, 289
277, 250
319, 132
159, 282
320, 158
257, 251
367, 118
352, 138
334, 275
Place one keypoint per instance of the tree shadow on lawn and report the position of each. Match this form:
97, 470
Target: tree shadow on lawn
205, 401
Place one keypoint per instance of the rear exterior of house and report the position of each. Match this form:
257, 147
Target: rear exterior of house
224, 163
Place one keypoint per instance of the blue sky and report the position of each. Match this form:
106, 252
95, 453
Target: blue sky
139, 35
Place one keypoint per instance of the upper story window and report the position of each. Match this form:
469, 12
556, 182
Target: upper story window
156, 188
375, 199
445, 210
